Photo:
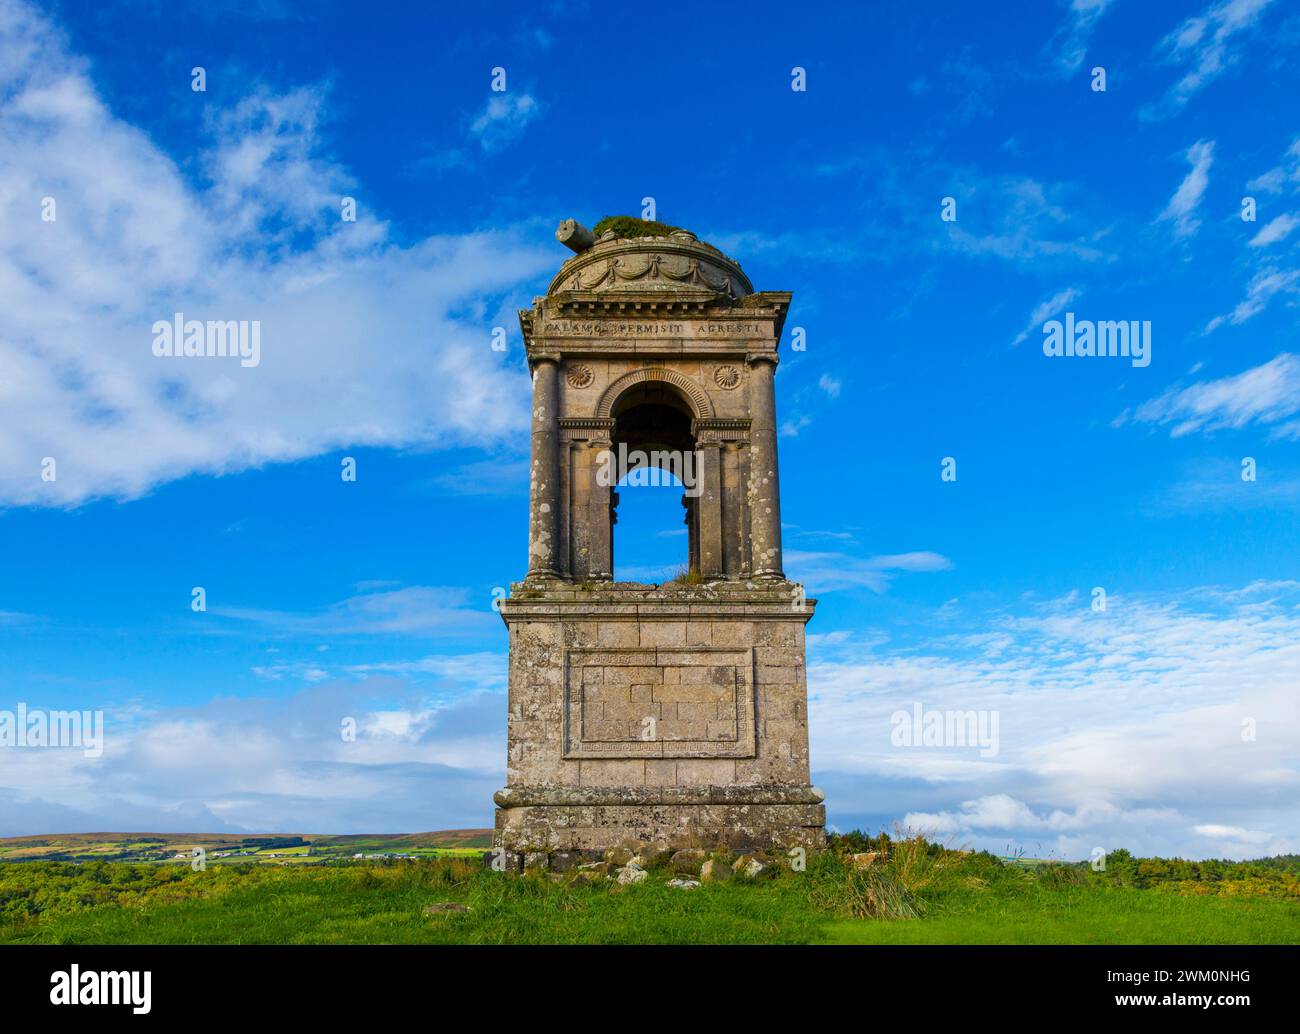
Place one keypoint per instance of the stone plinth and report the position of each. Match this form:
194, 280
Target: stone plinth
676, 712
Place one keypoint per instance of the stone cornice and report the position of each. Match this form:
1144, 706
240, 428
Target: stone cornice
556, 599
596, 796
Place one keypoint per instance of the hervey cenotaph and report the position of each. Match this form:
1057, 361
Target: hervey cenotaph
675, 712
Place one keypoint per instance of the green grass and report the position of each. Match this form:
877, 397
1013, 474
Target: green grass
1087, 915
948, 897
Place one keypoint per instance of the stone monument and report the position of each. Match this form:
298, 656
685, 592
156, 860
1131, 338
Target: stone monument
675, 712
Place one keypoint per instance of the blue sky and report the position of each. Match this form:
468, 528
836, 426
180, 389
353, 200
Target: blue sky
372, 599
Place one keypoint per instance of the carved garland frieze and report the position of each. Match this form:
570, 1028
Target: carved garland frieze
653, 267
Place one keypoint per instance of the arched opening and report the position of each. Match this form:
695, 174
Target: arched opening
656, 501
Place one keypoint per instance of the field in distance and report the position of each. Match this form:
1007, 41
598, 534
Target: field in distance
218, 848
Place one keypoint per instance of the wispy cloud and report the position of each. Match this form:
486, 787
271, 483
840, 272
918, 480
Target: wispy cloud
1069, 46
1265, 394
1023, 220
828, 572
503, 120
1279, 177
1263, 286
1274, 230
416, 610
1204, 45
1048, 307
1181, 210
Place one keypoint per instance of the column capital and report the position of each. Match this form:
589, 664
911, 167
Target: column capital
762, 357
543, 357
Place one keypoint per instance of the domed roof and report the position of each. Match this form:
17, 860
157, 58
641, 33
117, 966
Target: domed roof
676, 263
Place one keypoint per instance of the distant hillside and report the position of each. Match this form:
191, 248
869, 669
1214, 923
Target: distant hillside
280, 848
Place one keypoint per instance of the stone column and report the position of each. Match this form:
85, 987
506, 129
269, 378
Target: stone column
764, 487
544, 470
733, 509
708, 507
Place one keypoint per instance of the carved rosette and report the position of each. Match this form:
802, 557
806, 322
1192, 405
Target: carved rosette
726, 377
580, 375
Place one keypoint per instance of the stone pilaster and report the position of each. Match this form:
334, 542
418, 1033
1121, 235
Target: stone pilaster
764, 485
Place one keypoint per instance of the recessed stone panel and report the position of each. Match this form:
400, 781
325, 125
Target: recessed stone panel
658, 702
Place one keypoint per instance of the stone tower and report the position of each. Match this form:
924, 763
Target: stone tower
675, 712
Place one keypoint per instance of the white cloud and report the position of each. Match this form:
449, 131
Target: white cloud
415, 610
503, 120
1073, 36
1251, 836
1048, 307
1264, 394
1182, 206
358, 338
1259, 292
1275, 179
1122, 728
1274, 230
791, 428
416, 763
828, 572
1204, 44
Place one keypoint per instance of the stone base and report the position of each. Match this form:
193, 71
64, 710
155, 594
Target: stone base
672, 712
532, 820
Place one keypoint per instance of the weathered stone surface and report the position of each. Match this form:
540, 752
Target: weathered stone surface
652, 856
684, 884
619, 855
565, 861
688, 860
631, 873
866, 860
748, 865
674, 713
714, 871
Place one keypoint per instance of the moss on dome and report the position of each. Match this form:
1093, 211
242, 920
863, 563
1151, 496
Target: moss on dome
631, 226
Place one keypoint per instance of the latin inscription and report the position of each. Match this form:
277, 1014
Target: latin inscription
654, 328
